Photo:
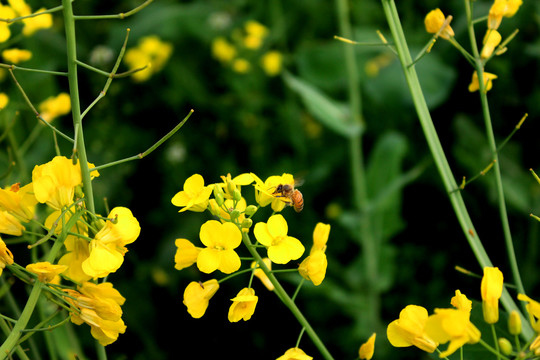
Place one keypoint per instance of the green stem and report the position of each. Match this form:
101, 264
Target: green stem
287, 301
439, 156
493, 148
71, 44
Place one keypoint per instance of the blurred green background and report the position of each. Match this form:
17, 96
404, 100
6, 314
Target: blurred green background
251, 122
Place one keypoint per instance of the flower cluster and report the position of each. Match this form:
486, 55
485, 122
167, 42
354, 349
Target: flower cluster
436, 23
92, 247
244, 48
221, 239
415, 327
152, 53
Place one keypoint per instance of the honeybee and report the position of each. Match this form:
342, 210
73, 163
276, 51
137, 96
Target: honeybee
294, 195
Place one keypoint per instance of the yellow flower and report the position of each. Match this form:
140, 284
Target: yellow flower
55, 182
33, 24
6, 12
107, 249
491, 41
55, 106
533, 308
4, 99
98, 305
451, 325
10, 225
197, 295
500, 8
514, 323
45, 271
16, 56
20, 7
488, 81
258, 272
461, 302
195, 195
220, 241
491, 289
294, 354
409, 329
230, 184
512, 7
313, 267
222, 50
243, 305
151, 52
77, 252
18, 201
320, 236
368, 348
241, 65
186, 254
281, 247
271, 63
256, 29
264, 191
6, 257
434, 21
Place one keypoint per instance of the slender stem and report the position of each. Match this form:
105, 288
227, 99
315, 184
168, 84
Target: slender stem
493, 148
116, 16
15, 67
287, 301
439, 156
71, 44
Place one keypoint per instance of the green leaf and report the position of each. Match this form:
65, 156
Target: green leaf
329, 112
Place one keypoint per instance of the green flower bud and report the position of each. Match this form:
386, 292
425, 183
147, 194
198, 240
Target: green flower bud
505, 346
250, 210
247, 223
219, 199
218, 190
237, 195
514, 323
235, 214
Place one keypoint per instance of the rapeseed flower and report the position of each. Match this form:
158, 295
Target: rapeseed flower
6, 257
98, 305
230, 184
222, 50
265, 191
255, 34
434, 20
409, 329
10, 225
461, 302
220, 241
281, 247
197, 296
46, 271
6, 12
186, 254
491, 289
294, 354
195, 195
152, 52
533, 308
451, 325
500, 9
514, 323
77, 252
488, 81
16, 56
243, 305
368, 348
314, 266
55, 106
272, 62
261, 275
241, 65
4, 99
107, 249
19, 201
491, 41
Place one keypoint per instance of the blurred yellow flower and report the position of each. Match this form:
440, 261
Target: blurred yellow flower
271, 63
45, 271
533, 308
241, 65
55, 106
500, 8
281, 247
294, 354
255, 28
220, 241
4, 99
491, 41
195, 195
151, 52
491, 290
243, 305
186, 254
222, 50
6, 257
35, 23
368, 348
6, 12
451, 325
16, 56
488, 81
409, 329
197, 296
9, 224
98, 305
259, 273
434, 20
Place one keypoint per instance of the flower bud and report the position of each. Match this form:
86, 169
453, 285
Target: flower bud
234, 214
218, 191
505, 346
250, 210
237, 195
219, 199
247, 223
514, 323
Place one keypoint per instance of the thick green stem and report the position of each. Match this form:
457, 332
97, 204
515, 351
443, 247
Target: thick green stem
479, 67
439, 156
286, 299
71, 47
